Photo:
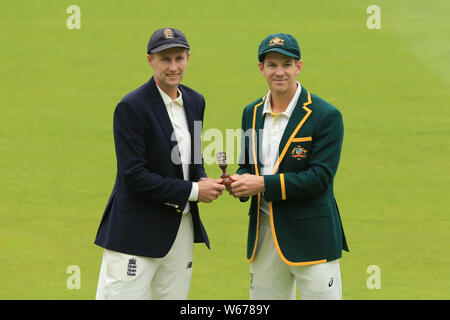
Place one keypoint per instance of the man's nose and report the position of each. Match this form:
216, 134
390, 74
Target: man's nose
173, 65
279, 72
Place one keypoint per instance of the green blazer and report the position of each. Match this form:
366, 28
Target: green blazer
305, 220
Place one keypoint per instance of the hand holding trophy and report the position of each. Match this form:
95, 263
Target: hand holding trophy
226, 178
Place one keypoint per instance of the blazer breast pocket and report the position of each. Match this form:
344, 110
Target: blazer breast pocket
298, 153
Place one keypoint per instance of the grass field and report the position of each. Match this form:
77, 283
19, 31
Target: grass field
59, 88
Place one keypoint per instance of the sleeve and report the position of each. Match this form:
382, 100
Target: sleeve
129, 138
323, 164
193, 196
200, 168
244, 157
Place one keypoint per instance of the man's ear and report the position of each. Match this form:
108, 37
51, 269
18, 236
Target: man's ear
261, 67
188, 55
149, 59
299, 66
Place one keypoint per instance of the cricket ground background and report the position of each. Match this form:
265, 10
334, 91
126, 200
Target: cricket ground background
66, 64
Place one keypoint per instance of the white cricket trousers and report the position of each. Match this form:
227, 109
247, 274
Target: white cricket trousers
130, 277
272, 279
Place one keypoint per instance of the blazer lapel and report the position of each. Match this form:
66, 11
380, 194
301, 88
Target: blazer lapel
189, 109
298, 117
160, 110
257, 125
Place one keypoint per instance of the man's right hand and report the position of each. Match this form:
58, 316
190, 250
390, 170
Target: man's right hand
209, 189
235, 178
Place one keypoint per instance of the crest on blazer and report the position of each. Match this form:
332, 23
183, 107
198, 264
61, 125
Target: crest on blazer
299, 152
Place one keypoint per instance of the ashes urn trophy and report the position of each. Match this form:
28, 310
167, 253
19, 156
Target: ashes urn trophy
222, 161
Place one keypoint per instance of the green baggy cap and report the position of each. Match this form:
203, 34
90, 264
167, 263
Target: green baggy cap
279, 42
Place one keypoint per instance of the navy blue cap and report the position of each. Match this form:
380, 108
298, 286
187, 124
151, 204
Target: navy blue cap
166, 38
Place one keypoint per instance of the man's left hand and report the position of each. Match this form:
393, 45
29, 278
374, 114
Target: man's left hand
248, 185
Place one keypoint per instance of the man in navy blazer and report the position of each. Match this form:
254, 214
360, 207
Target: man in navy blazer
152, 219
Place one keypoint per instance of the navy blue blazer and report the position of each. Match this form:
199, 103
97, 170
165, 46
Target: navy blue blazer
145, 207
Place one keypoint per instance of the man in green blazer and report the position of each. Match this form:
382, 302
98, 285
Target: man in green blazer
290, 154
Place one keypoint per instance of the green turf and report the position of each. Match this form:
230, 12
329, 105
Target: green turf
59, 88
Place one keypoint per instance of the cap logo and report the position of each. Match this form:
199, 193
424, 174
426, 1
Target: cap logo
168, 33
276, 41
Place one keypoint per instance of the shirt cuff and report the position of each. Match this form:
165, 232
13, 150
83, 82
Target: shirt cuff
193, 196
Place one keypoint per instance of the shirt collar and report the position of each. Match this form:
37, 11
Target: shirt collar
168, 100
287, 113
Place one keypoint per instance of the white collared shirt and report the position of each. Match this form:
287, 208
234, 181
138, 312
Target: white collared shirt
177, 115
274, 126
